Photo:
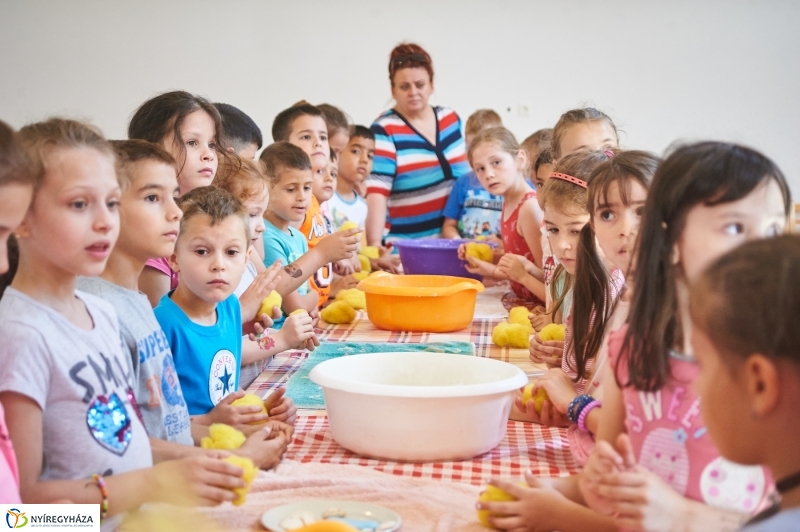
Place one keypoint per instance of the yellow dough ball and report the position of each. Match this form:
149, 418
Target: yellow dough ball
480, 251
360, 276
366, 266
274, 299
519, 315
326, 526
511, 335
354, 297
348, 225
552, 332
373, 252
492, 494
251, 399
222, 436
250, 473
298, 311
338, 312
538, 399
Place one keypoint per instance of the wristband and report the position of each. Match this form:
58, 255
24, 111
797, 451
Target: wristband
265, 341
98, 479
576, 405
584, 413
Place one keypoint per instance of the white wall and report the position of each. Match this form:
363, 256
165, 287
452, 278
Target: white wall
723, 69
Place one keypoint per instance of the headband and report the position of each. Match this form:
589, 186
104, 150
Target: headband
573, 180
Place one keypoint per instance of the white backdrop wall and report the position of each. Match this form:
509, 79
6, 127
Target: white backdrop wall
664, 71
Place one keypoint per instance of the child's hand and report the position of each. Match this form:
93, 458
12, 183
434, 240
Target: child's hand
231, 415
602, 463
264, 283
345, 266
266, 446
205, 480
312, 343
280, 407
532, 511
342, 283
549, 417
512, 267
483, 268
559, 387
540, 318
340, 245
546, 352
314, 313
462, 252
296, 330
254, 329
387, 262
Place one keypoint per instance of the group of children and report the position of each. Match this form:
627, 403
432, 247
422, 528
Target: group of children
135, 270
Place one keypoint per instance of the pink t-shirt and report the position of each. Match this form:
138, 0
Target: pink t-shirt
669, 438
9, 474
163, 266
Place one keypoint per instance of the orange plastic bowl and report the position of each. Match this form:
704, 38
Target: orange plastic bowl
420, 303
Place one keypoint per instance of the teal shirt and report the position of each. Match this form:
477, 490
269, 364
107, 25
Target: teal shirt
286, 247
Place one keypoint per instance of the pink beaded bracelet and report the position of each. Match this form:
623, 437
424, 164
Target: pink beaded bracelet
585, 412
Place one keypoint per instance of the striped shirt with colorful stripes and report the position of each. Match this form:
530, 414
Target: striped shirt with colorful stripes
415, 175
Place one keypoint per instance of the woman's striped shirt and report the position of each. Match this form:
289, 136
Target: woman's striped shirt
415, 175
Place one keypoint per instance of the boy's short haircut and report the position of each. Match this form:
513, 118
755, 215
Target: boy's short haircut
241, 177
283, 156
282, 125
335, 119
480, 120
538, 141
545, 157
238, 129
15, 165
214, 202
361, 132
130, 152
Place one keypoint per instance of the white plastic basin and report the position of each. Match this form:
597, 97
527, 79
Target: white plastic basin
418, 406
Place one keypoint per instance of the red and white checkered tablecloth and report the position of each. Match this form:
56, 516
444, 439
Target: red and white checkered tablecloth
526, 446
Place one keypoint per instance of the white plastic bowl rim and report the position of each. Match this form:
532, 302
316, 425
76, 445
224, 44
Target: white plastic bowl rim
515, 380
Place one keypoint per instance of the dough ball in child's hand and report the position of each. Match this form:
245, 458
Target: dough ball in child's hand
348, 225
511, 335
360, 276
553, 332
538, 399
366, 266
371, 252
222, 436
250, 473
338, 312
492, 494
353, 297
251, 399
298, 311
274, 299
480, 251
520, 316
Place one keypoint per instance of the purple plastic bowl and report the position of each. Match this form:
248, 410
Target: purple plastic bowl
433, 256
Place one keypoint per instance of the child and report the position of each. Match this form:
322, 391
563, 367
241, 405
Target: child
338, 127
239, 132
744, 309
705, 199
16, 189
501, 167
616, 196
542, 170
246, 182
69, 400
355, 165
534, 146
583, 129
471, 211
187, 126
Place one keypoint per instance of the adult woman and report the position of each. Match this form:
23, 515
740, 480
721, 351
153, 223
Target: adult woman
419, 153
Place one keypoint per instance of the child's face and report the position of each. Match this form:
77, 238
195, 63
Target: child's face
338, 141
564, 231
149, 216
255, 211
290, 197
73, 222
324, 183
14, 201
311, 134
616, 225
710, 232
198, 154
355, 162
542, 175
210, 259
595, 135
496, 169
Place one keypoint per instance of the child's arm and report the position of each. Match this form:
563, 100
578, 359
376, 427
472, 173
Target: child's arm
296, 300
154, 284
511, 267
208, 479
294, 333
530, 219
450, 229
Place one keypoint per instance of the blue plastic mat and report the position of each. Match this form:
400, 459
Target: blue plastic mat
306, 394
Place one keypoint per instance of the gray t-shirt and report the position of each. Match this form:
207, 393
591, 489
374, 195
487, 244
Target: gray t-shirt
787, 521
80, 379
156, 385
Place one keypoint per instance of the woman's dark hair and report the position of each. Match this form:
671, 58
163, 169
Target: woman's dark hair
748, 300
163, 114
707, 173
409, 55
592, 305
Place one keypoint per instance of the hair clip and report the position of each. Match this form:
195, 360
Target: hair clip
608, 153
571, 179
